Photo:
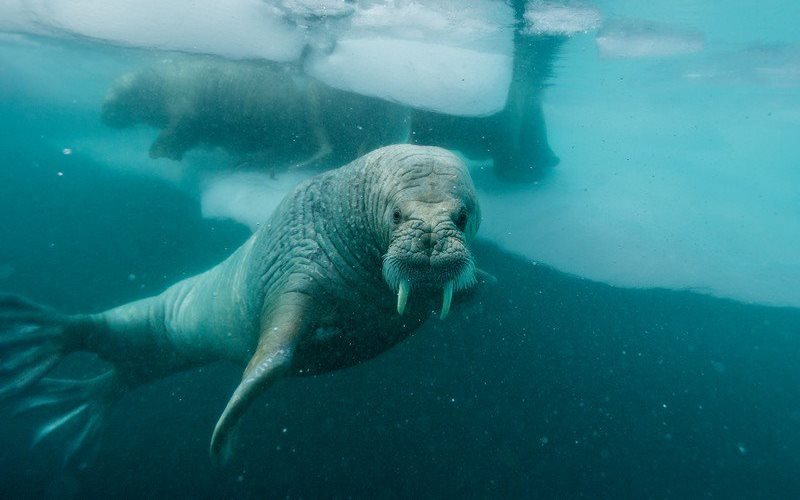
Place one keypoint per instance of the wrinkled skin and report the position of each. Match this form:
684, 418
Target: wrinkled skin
351, 263
254, 110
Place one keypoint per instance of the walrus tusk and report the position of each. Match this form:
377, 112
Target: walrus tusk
402, 296
447, 299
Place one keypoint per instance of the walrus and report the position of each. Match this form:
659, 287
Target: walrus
272, 114
352, 262
255, 110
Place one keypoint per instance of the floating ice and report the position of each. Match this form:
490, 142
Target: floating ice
439, 78
445, 56
237, 28
637, 38
246, 197
776, 65
660, 186
311, 10
560, 18
14, 18
483, 25
441, 55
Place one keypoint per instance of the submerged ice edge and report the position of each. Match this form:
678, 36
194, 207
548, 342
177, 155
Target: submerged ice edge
560, 18
249, 198
636, 38
474, 45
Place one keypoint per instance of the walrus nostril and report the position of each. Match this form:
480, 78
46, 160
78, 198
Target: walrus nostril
427, 242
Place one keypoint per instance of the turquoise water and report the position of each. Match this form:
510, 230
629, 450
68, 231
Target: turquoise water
641, 342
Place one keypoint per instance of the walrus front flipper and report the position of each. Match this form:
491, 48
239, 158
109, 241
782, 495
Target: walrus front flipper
173, 142
272, 358
33, 339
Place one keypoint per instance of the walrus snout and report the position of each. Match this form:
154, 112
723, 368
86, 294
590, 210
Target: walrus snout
434, 273
120, 103
432, 213
112, 115
422, 271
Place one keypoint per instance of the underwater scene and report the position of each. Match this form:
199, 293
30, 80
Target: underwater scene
399, 249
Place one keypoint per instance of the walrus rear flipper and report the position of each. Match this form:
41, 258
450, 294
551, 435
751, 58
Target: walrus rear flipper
33, 339
76, 411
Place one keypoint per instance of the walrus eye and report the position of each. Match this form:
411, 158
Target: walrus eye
396, 216
461, 219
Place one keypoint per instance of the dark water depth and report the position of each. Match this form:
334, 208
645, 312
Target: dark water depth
546, 386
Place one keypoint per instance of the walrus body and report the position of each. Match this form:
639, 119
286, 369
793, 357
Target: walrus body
352, 262
275, 115
253, 110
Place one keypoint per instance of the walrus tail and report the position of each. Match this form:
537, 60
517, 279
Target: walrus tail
33, 339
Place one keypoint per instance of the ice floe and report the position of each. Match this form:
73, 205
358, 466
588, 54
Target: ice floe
638, 38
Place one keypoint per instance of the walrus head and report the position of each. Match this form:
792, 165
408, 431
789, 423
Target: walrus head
135, 98
432, 214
